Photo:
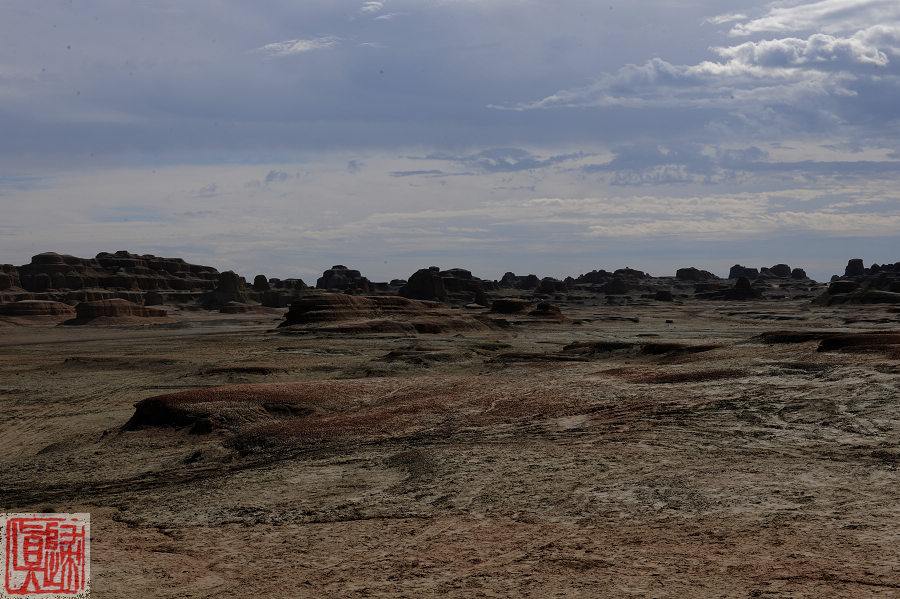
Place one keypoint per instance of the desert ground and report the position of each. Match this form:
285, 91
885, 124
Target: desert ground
656, 449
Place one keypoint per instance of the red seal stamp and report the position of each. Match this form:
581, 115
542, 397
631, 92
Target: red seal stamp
45, 556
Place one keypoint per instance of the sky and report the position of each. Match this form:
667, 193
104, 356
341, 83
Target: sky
549, 137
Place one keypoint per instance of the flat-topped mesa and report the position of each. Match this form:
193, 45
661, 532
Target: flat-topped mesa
341, 278
453, 285
694, 275
50, 271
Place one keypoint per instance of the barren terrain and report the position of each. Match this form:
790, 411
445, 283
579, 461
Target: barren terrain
656, 449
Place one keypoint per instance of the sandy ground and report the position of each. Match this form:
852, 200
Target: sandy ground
494, 464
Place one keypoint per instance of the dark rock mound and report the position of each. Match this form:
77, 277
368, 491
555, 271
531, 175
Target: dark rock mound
229, 288
511, 281
693, 274
782, 271
860, 285
742, 290
617, 286
261, 283
113, 309
456, 285
855, 268
549, 312
205, 410
663, 295
737, 271
332, 307
341, 278
550, 286
425, 284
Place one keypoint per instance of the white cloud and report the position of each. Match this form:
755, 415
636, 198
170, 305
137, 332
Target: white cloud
818, 51
371, 7
812, 81
291, 47
829, 16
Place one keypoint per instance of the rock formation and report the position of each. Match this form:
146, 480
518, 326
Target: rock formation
694, 274
742, 290
339, 312
117, 307
37, 308
737, 271
261, 283
455, 285
341, 278
119, 271
229, 288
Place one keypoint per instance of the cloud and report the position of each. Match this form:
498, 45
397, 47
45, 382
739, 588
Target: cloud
429, 173
504, 160
844, 77
371, 7
829, 16
354, 166
208, 191
291, 47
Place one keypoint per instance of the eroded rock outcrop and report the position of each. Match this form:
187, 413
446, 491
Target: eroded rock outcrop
878, 284
114, 311
339, 312
341, 278
455, 285
50, 271
229, 288
31, 308
694, 274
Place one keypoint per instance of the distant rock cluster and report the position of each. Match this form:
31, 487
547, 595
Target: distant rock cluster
877, 284
58, 286
779, 271
120, 271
